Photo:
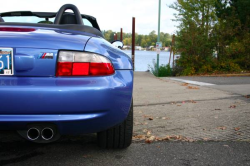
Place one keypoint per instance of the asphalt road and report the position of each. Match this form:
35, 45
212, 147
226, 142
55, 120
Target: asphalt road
237, 85
83, 151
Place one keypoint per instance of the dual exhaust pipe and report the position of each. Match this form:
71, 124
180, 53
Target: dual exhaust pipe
46, 133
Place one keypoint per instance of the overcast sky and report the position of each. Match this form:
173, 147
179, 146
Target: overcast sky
110, 14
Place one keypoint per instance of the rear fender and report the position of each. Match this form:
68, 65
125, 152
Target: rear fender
120, 60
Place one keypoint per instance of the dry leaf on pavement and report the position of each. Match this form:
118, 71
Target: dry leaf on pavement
192, 87
222, 128
236, 128
232, 106
185, 84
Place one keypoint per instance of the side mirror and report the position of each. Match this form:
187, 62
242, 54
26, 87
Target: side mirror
118, 44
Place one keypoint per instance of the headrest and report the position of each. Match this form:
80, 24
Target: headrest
68, 19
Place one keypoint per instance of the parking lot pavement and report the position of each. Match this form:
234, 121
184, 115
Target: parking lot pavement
170, 108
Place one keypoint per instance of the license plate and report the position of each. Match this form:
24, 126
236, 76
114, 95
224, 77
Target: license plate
6, 61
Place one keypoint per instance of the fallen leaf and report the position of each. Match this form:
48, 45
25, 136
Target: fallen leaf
149, 133
192, 87
150, 118
247, 96
150, 139
232, 106
222, 128
217, 109
190, 140
185, 84
166, 138
236, 128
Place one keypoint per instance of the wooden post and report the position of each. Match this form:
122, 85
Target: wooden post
121, 36
173, 43
171, 49
170, 55
133, 42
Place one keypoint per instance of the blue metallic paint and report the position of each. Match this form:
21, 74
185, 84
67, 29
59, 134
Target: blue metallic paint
119, 59
27, 62
75, 104
44, 38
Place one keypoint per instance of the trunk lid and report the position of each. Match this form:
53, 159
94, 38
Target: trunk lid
35, 52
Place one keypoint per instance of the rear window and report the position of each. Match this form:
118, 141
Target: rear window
34, 19
26, 19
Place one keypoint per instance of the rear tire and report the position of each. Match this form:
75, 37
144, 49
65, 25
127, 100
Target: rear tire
118, 137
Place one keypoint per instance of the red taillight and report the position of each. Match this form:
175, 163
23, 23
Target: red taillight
13, 29
83, 64
101, 69
64, 69
80, 69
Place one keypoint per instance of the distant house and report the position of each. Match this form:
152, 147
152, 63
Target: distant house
126, 47
138, 47
166, 48
152, 48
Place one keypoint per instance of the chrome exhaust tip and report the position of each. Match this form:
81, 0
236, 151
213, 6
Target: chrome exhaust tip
33, 134
47, 133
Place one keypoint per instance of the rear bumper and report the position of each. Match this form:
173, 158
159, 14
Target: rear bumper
74, 105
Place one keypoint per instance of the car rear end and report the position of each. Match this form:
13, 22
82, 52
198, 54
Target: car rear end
60, 82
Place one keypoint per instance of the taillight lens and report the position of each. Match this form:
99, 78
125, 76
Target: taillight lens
72, 63
16, 29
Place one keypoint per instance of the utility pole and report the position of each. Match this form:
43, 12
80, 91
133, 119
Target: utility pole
133, 42
159, 33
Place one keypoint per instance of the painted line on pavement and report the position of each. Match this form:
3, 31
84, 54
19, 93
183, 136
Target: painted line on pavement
193, 82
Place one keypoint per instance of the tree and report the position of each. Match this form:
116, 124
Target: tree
140, 40
232, 31
194, 41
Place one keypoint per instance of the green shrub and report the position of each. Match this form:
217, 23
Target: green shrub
228, 66
164, 70
188, 71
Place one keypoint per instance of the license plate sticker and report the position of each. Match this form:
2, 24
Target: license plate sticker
6, 61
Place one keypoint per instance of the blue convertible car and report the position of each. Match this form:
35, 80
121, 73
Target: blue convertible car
59, 76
